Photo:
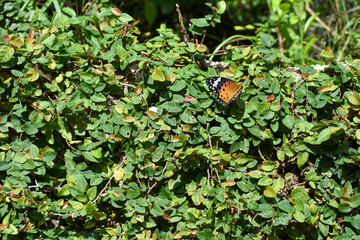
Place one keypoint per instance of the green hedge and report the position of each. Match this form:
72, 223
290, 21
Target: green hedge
105, 137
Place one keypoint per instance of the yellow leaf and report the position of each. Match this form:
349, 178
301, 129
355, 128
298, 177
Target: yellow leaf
32, 75
59, 78
201, 48
270, 192
158, 75
37, 46
119, 109
17, 41
246, 51
52, 28
229, 73
52, 64
151, 114
128, 118
118, 173
47, 115
29, 40
324, 88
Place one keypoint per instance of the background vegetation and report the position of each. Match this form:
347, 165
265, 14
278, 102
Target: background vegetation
108, 130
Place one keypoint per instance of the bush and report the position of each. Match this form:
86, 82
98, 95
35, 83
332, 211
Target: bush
106, 137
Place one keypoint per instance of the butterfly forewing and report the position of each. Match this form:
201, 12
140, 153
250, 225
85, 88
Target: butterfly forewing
225, 90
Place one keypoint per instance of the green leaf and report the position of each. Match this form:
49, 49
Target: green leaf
187, 117
355, 201
266, 39
49, 156
286, 206
97, 152
132, 193
157, 154
354, 98
324, 229
121, 52
324, 53
6, 54
255, 130
29, 128
221, 7
269, 192
158, 75
49, 40
205, 234
299, 9
323, 136
269, 165
32, 75
302, 158
124, 17
90, 208
356, 221
289, 121
265, 181
98, 97
150, 11
19, 157
299, 216
344, 207
199, 22
156, 211
81, 183
178, 86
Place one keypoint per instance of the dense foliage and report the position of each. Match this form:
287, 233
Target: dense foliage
106, 137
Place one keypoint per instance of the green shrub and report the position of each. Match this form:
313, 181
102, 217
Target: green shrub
105, 137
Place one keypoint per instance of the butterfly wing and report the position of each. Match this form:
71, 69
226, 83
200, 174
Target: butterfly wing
225, 90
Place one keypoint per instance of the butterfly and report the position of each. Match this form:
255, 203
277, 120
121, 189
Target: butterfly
225, 90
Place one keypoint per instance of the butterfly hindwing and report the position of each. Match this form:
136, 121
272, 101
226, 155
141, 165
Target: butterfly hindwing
225, 90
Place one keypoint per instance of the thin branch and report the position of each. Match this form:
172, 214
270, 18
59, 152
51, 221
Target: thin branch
152, 187
209, 138
281, 39
107, 184
308, 8
183, 30
259, 151
59, 214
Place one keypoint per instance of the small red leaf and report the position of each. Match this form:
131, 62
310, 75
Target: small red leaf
189, 99
329, 50
32, 34
6, 38
230, 183
269, 98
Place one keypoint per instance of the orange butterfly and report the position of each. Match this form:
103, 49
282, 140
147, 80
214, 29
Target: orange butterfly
225, 90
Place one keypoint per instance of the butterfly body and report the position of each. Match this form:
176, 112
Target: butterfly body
225, 90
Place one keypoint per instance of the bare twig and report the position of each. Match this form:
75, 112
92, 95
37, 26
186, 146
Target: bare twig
183, 30
208, 178
308, 8
152, 187
59, 214
107, 184
217, 174
164, 168
281, 39
71, 146
209, 138
259, 151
